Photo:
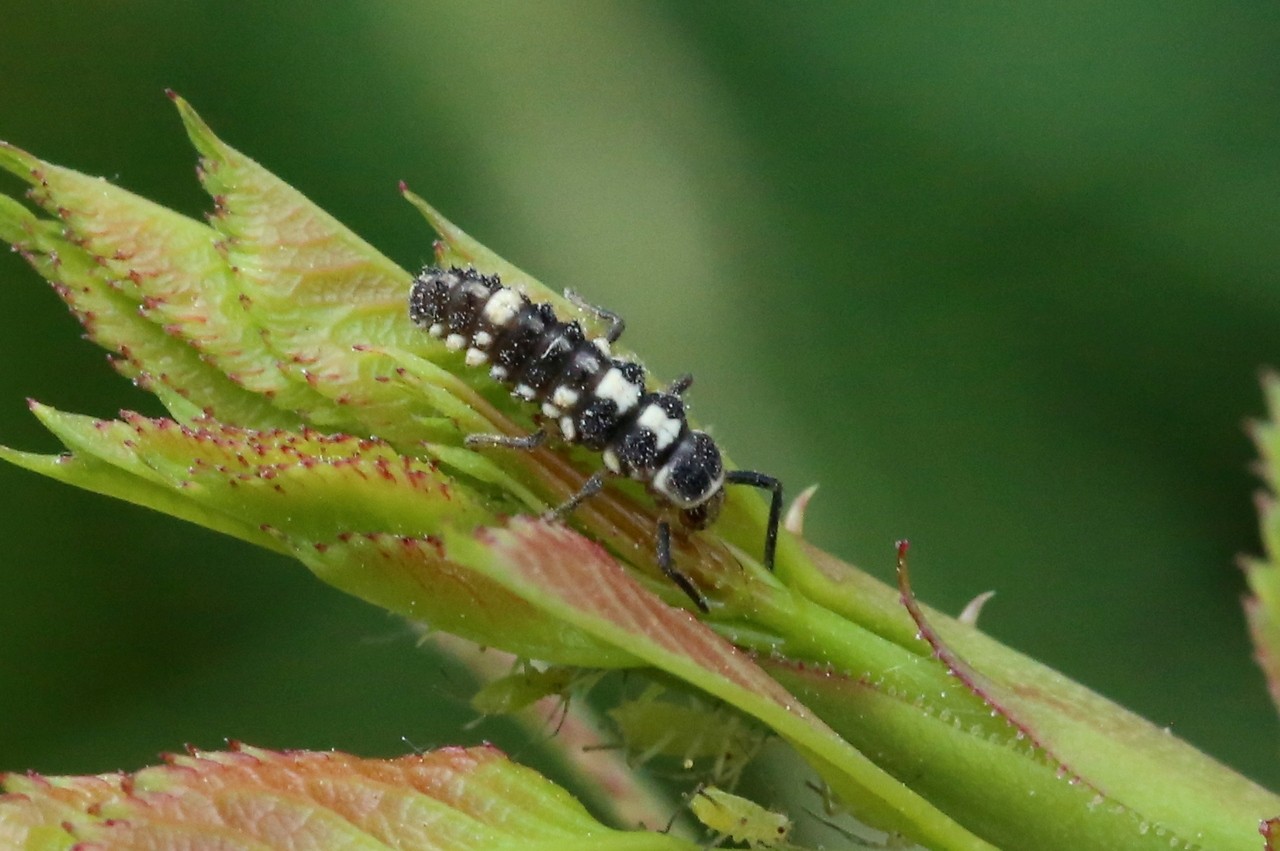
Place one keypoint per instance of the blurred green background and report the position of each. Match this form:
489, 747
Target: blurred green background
999, 276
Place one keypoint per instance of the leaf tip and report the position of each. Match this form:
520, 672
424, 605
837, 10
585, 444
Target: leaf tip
42, 412
18, 162
198, 131
452, 235
428, 212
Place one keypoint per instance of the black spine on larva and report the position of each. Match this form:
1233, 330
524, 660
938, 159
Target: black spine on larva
542, 370
428, 298
466, 300
520, 340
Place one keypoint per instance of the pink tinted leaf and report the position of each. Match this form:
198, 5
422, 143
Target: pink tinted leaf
306, 484
92, 474
1262, 607
171, 267
421, 579
576, 581
454, 798
144, 350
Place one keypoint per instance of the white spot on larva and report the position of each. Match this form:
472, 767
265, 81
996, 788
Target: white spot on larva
664, 427
565, 397
550, 410
524, 391
436, 330
660, 483
670, 431
454, 342
611, 460
603, 345
567, 429
475, 357
615, 387
482, 340
498, 373
502, 307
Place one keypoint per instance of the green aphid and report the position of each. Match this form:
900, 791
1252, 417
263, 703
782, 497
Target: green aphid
739, 819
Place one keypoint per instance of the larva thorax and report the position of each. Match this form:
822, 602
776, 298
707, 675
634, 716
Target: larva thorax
584, 393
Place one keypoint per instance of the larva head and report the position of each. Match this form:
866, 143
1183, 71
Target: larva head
702, 516
692, 479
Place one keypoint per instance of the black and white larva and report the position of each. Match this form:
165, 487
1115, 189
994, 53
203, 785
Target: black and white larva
588, 397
